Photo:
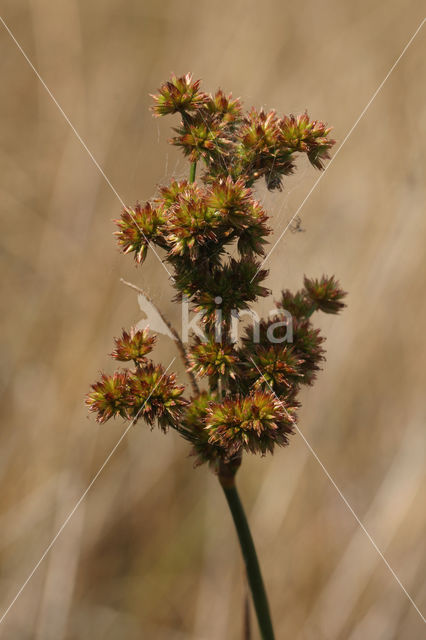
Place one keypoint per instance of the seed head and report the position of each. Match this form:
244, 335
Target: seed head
110, 396
178, 95
307, 343
275, 367
210, 233
325, 294
214, 359
254, 423
200, 139
134, 345
307, 136
146, 392
155, 395
298, 304
192, 428
137, 227
225, 108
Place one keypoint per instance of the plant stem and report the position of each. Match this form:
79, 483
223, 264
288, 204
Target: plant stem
254, 575
311, 310
192, 170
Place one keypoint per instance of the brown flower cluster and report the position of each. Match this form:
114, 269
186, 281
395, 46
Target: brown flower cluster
255, 422
195, 225
245, 146
144, 392
248, 393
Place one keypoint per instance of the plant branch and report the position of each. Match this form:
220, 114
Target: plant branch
260, 600
311, 311
192, 170
179, 343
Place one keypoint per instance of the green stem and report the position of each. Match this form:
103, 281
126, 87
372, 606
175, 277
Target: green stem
192, 170
254, 575
311, 310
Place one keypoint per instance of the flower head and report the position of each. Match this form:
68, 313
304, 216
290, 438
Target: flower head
232, 286
214, 359
171, 193
253, 236
298, 304
226, 108
110, 396
242, 216
201, 139
325, 294
305, 342
178, 95
307, 345
261, 150
276, 367
134, 345
192, 225
300, 133
155, 395
254, 423
192, 428
232, 199
137, 227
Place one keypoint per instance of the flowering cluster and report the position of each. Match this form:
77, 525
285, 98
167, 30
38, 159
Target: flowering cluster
251, 400
263, 378
146, 391
194, 225
191, 222
179, 95
133, 346
254, 422
325, 294
216, 359
192, 427
136, 228
281, 368
244, 146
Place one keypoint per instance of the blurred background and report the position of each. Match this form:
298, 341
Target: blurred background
151, 551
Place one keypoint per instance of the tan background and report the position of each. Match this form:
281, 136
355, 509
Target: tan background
151, 552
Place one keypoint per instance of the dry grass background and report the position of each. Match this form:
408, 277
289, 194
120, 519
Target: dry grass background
151, 552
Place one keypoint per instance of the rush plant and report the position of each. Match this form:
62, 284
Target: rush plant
243, 395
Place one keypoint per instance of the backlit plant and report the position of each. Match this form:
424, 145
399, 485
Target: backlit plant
243, 395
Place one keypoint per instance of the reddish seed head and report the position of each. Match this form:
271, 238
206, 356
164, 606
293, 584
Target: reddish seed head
325, 294
179, 95
255, 423
210, 233
134, 345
